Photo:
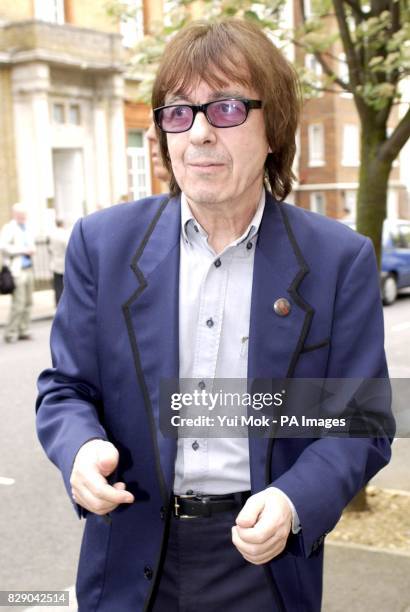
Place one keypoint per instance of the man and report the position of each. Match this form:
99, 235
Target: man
57, 248
17, 244
222, 280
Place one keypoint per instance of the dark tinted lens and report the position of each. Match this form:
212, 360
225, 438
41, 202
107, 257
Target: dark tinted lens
227, 113
176, 118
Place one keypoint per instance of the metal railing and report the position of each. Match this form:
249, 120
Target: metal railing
41, 265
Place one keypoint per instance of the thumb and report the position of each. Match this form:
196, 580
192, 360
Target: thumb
107, 458
250, 512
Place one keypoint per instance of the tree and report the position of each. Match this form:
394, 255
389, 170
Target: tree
375, 38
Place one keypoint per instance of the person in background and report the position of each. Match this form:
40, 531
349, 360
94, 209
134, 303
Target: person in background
17, 245
57, 247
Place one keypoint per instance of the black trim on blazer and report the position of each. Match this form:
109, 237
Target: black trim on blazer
309, 312
140, 375
313, 347
135, 353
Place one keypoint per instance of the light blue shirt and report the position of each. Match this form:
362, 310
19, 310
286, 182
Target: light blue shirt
214, 316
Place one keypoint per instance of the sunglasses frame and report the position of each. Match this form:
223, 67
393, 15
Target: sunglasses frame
202, 108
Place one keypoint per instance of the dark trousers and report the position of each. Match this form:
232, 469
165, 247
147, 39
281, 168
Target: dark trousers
58, 286
203, 571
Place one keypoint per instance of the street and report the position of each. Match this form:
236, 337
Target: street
40, 533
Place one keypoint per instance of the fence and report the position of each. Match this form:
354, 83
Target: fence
41, 265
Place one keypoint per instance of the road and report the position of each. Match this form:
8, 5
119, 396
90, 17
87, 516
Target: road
40, 533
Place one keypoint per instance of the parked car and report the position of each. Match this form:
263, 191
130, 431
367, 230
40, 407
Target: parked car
395, 263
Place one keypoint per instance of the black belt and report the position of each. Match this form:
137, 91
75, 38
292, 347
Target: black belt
196, 506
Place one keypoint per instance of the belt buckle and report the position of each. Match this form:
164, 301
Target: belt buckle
177, 506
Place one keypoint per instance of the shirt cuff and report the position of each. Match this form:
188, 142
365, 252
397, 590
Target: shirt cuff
296, 526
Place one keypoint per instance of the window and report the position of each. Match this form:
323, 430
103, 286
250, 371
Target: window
74, 114
318, 202
49, 10
316, 139
343, 74
314, 67
350, 151
58, 113
67, 113
350, 204
132, 27
138, 157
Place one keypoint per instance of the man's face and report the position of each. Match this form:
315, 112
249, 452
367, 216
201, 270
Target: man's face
219, 165
20, 216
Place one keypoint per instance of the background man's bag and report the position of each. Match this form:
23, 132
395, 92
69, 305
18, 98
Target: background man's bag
6, 281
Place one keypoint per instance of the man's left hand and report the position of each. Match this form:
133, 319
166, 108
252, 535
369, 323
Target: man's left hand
262, 526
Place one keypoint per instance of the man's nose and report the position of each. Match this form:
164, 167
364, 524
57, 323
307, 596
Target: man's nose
201, 130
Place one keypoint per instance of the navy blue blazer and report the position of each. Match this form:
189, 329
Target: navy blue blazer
115, 336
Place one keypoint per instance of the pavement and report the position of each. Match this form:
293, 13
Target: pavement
356, 578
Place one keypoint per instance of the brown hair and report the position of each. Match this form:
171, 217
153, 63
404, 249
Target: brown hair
241, 52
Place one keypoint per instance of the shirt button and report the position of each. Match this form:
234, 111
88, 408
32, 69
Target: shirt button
217, 263
196, 228
148, 573
249, 246
195, 445
210, 322
201, 385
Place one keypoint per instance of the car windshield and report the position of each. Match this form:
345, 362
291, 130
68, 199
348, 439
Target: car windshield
397, 236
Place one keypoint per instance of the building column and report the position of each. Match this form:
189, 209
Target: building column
110, 146
118, 154
101, 153
30, 89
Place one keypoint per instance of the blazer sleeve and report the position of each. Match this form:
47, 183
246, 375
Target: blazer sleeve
331, 470
69, 405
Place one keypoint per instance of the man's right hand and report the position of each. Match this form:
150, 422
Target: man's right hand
96, 460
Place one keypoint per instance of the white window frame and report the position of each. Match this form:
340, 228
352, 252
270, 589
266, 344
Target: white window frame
350, 145
343, 73
133, 154
315, 196
67, 103
316, 145
315, 69
49, 10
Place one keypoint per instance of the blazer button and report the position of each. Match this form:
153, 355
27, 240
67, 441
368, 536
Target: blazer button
162, 513
148, 573
282, 307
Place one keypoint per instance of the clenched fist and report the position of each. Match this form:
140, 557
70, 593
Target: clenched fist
262, 526
96, 460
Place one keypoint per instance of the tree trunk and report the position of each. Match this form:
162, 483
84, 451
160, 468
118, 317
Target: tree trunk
373, 185
371, 212
358, 503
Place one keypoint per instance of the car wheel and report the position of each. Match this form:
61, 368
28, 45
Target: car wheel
389, 290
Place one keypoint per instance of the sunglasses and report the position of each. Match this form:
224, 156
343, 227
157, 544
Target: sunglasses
176, 118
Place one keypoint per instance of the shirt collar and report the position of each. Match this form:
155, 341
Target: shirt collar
187, 217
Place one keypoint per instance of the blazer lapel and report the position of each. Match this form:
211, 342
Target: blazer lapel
275, 341
152, 319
